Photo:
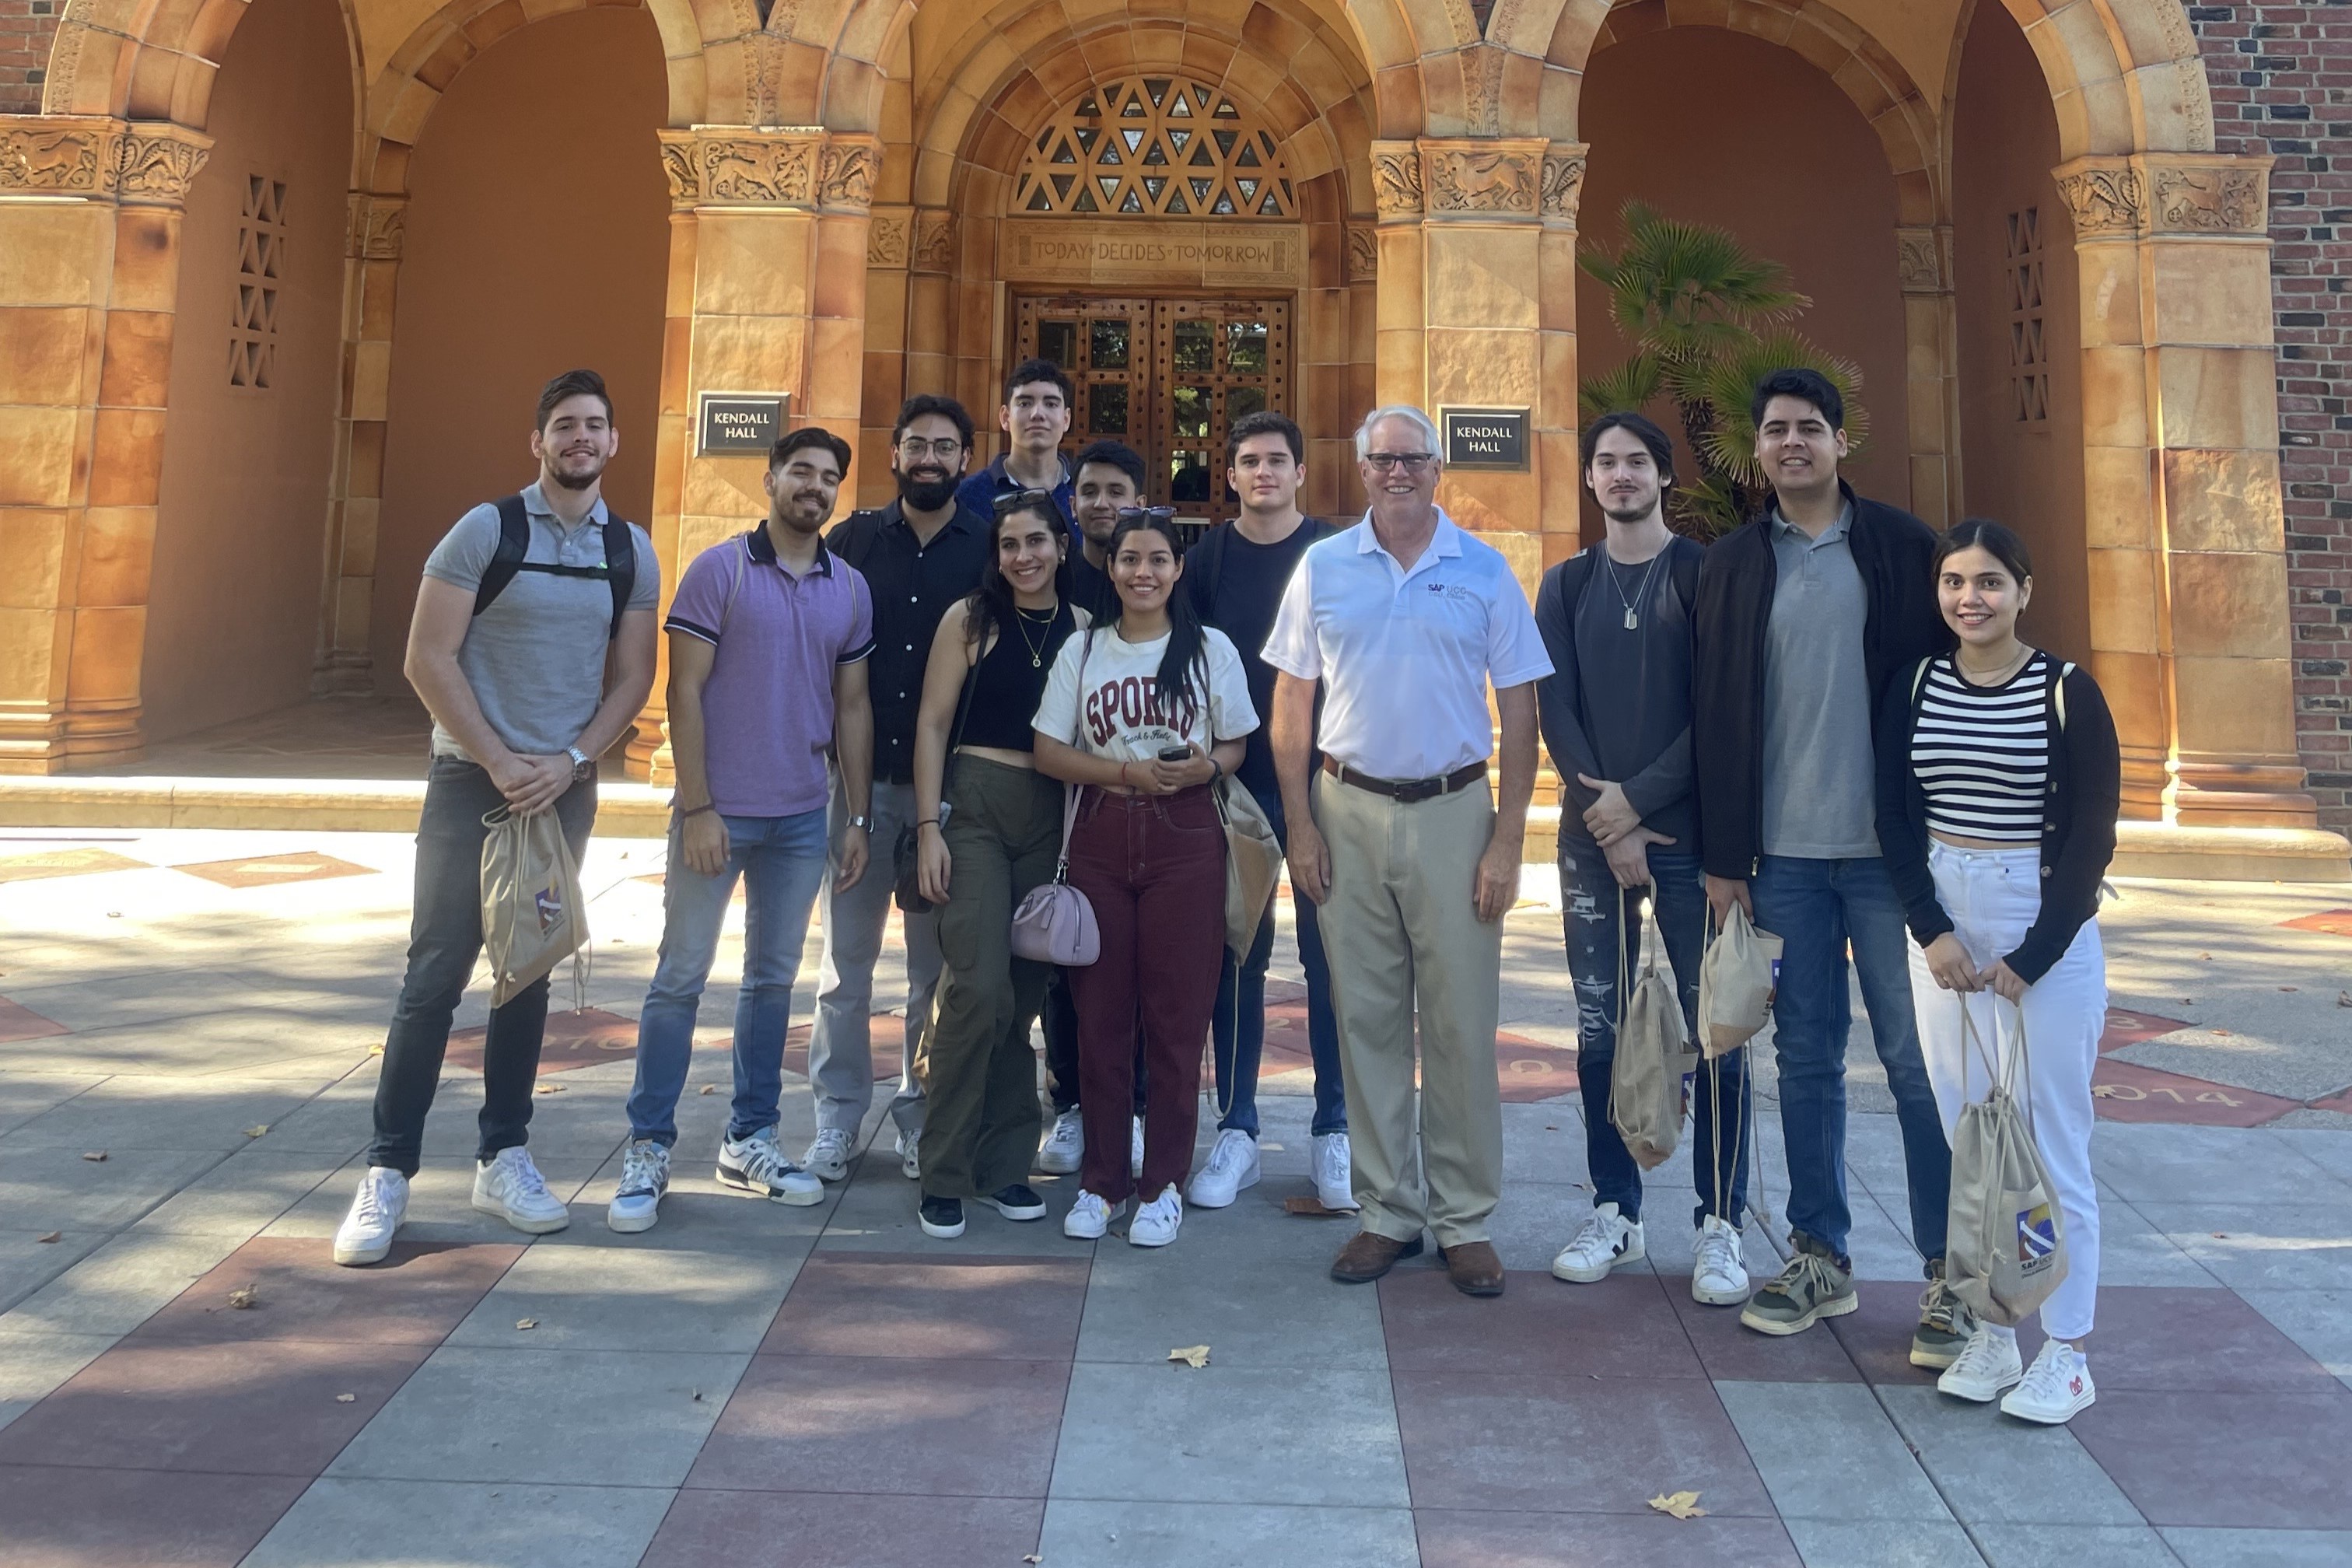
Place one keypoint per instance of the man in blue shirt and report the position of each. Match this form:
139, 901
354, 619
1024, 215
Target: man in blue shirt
1035, 418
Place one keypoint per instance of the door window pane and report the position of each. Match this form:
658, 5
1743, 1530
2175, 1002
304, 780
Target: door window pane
1187, 477
1189, 407
1058, 342
1106, 409
1196, 351
1242, 402
1246, 348
1107, 345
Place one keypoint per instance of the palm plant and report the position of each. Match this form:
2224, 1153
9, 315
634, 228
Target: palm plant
1706, 320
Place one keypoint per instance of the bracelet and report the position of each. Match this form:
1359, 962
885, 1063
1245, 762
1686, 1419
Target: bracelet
1216, 770
697, 811
1122, 776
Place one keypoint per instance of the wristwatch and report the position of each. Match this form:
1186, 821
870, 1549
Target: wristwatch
863, 824
581, 763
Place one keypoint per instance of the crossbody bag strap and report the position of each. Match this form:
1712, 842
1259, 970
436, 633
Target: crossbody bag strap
1070, 791
955, 731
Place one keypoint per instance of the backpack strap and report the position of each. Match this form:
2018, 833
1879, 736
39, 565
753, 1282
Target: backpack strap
514, 544
2058, 693
1682, 571
620, 569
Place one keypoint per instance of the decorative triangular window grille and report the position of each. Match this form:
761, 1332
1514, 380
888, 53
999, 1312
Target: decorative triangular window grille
1154, 128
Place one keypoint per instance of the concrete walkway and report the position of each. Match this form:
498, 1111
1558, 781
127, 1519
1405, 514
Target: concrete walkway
755, 1384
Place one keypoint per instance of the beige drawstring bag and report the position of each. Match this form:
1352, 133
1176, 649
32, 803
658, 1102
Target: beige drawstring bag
1653, 1052
2006, 1251
533, 916
1735, 982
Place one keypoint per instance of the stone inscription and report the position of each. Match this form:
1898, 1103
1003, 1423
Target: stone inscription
1061, 250
1489, 438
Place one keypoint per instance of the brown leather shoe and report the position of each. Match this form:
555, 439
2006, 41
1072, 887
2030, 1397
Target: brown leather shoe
1474, 1268
1369, 1255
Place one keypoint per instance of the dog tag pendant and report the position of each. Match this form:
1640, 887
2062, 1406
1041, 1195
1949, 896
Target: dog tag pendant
1632, 620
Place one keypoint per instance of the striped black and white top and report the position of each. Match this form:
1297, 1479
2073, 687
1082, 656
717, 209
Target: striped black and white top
1982, 753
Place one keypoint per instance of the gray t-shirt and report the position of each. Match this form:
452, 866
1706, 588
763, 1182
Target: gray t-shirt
1637, 693
1820, 799
535, 659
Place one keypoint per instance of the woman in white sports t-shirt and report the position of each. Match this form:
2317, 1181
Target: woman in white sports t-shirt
1141, 715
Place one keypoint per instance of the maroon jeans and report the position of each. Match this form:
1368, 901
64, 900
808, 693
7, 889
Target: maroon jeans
1154, 868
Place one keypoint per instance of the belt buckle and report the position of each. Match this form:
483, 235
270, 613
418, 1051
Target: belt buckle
1419, 790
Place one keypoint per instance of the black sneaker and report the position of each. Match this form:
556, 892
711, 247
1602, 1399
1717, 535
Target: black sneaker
1945, 1325
1018, 1202
942, 1217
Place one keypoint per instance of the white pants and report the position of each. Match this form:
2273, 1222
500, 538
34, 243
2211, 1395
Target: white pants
1994, 896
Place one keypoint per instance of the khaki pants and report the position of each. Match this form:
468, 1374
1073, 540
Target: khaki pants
1402, 933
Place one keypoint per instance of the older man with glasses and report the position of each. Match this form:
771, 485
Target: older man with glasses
918, 554
1406, 619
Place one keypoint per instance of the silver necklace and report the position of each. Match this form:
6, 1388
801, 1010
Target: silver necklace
1642, 593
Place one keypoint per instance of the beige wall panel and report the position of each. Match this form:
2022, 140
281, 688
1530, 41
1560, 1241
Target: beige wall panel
2224, 500
2235, 708
2229, 605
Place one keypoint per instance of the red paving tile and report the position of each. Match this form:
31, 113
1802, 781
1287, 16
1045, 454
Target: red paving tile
831, 1530
1737, 1355
1514, 1441
2335, 922
883, 1425
19, 1023
1024, 1309
2254, 1460
1450, 1539
1876, 1337
2183, 1338
1529, 1069
275, 870
414, 1296
1623, 1326
135, 1519
2126, 1091
240, 1409
2125, 1027
573, 1040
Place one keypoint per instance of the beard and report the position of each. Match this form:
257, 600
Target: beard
1628, 514
575, 474
925, 492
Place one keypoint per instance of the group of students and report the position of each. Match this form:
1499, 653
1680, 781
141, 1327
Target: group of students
1018, 676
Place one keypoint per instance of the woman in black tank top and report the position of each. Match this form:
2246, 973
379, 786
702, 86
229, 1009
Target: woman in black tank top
990, 827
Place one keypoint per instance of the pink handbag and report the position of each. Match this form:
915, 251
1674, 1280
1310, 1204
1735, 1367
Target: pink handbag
1054, 924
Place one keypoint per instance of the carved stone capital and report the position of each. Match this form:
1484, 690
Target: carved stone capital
379, 225
2218, 197
745, 166
1563, 182
1396, 181
890, 236
1922, 261
934, 241
146, 162
1483, 178
846, 169
2106, 196
1363, 253
158, 162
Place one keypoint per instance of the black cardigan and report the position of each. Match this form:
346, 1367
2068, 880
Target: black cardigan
1895, 552
2078, 821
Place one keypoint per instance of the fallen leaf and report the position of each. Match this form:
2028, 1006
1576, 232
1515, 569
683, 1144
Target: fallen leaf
1312, 1209
114, 914
244, 1297
94, 1156
2206, 956
710, 1089
1681, 1505
525, 1322
51, 1236
2188, 1001
1190, 1355
257, 1130
698, 1396
549, 1088
345, 1398
1033, 1557
1551, 1127
2344, 998
2221, 1236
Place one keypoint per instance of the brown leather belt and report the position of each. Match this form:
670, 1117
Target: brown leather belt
1407, 791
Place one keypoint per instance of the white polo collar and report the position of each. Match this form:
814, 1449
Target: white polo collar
1444, 542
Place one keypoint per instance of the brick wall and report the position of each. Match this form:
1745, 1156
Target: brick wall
2281, 80
25, 28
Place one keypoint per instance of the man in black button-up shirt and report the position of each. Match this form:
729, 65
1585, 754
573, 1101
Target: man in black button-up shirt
918, 554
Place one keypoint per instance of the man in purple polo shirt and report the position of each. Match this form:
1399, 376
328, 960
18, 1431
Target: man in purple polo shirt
768, 640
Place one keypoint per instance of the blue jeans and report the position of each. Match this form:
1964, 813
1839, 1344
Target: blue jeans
782, 861
1817, 908
1238, 1025
1596, 938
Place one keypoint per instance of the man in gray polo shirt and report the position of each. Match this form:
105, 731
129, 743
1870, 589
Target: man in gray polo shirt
522, 706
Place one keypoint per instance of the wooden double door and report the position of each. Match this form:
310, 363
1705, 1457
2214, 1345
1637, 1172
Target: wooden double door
1169, 377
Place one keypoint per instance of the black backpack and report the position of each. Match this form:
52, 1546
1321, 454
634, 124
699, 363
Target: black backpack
620, 568
1202, 583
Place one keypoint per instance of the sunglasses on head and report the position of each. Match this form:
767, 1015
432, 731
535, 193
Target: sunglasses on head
1128, 514
1026, 501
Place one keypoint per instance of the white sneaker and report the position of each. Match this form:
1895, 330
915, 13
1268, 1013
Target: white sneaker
828, 1157
1233, 1165
1066, 1146
756, 1166
1719, 1275
1155, 1223
644, 1177
1333, 1171
511, 1187
365, 1235
1088, 1218
2056, 1389
1607, 1240
1135, 1152
911, 1163
1985, 1366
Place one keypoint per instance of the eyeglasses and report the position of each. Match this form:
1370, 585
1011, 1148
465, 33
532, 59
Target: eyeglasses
1411, 462
916, 446
1128, 514
1027, 501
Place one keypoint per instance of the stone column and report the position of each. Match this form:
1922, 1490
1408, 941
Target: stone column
889, 247
2190, 624
372, 247
1923, 269
89, 272
767, 293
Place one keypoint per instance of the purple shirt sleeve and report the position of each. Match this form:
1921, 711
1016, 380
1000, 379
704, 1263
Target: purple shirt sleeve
701, 602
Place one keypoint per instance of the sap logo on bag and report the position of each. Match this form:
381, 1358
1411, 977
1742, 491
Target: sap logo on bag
2037, 1234
550, 902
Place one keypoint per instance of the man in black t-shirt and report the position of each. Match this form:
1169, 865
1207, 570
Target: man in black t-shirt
1236, 576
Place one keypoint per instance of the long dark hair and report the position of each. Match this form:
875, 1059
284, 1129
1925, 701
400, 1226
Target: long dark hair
991, 607
1983, 533
1185, 665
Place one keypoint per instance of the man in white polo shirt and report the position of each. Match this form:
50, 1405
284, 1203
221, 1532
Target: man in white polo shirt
1405, 619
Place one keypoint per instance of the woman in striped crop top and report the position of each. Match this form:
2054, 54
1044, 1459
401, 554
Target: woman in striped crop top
1999, 779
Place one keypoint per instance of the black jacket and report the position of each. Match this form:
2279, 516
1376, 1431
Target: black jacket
2078, 816
1894, 553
